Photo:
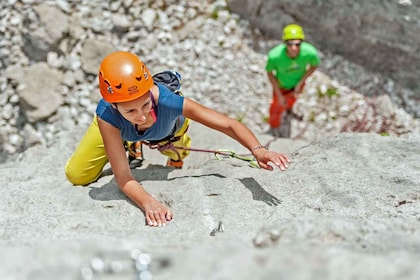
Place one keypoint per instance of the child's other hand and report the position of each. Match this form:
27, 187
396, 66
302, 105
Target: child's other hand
279, 160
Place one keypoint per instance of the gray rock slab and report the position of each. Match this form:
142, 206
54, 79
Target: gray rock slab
347, 208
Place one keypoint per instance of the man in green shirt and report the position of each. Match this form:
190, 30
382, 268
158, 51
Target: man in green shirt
288, 66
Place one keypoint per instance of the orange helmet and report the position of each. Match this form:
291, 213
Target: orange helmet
123, 77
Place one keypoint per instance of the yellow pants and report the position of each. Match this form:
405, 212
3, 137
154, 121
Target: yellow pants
88, 160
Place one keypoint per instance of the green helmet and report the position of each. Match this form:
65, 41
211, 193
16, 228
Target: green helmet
293, 32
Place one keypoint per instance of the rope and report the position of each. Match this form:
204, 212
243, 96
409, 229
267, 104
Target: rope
224, 152
218, 153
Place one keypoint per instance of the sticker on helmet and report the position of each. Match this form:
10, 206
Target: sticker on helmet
132, 90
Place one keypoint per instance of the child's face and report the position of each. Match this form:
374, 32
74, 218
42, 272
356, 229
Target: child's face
137, 111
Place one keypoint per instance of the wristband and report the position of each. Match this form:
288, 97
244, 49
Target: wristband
258, 147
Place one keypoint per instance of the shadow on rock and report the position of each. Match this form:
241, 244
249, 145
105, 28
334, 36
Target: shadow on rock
111, 191
258, 193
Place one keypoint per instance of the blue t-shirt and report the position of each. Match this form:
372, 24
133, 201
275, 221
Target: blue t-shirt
169, 113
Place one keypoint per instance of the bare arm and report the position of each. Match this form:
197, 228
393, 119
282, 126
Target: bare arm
276, 90
236, 130
299, 86
272, 79
273, 82
156, 213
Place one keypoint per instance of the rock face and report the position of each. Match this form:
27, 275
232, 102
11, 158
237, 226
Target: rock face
348, 207
381, 35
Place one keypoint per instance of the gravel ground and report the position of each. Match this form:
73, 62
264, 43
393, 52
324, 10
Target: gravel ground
221, 60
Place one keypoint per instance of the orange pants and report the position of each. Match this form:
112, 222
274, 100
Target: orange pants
277, 110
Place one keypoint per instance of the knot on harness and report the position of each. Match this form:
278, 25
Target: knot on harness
161, 147
164, 147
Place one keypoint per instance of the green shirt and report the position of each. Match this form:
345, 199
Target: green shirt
290, 71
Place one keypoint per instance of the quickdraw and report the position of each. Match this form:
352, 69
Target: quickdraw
224, 153
219, 154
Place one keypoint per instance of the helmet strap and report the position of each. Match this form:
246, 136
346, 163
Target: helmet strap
153, 111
